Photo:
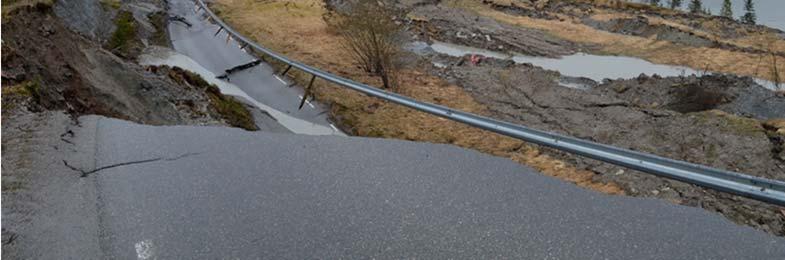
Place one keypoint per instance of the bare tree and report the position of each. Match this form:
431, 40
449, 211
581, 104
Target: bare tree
372, 37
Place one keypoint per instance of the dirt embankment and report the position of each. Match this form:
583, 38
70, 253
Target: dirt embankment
455, 25
58, 69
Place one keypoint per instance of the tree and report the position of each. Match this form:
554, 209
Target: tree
372, 38
696, 6
749, 15
654, 2
675, 4
726, 9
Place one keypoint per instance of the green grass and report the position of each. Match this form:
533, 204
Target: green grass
30, 89
234, 112
740, 125
113, 4
123, 37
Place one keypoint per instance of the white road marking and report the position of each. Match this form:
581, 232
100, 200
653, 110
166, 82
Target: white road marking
282, 81
144, 249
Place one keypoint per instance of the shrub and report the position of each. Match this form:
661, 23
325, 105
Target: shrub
372, 38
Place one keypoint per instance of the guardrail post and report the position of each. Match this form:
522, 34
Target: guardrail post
219, 31
307, 92
286, 70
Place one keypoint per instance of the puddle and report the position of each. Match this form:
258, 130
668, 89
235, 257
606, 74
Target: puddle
595, 67
159, 56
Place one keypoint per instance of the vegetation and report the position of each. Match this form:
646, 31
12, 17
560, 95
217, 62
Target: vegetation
123, 37
736, 124
654, 2
726, 9
233, 112
28, 90
372, 38
749, 15
675, 4
113, 4
696, 6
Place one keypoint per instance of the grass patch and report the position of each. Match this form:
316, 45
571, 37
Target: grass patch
113, 4
161, 36
232, 111
124, 36
739, 125
30, 89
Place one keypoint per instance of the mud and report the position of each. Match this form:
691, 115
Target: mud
710, 120
640, 26
458, 26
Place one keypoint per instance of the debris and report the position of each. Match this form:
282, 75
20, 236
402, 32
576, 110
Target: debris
181, 19
243, 67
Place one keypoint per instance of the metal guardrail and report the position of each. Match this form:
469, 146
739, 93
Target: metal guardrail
766, 190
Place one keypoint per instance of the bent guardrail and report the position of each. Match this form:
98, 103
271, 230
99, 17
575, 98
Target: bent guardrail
762, 189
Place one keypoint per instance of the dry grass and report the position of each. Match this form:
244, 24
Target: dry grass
298, 30
663, 52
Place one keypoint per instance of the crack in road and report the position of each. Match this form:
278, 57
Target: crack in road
87, 173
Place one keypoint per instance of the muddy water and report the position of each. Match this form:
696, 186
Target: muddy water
595, 67
159, 56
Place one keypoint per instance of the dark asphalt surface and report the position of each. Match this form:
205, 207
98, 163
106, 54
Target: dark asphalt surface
216, 54
225, 193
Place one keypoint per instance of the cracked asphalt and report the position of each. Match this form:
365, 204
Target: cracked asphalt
186, 192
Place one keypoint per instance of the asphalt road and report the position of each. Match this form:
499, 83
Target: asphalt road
225, 193
217, 54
